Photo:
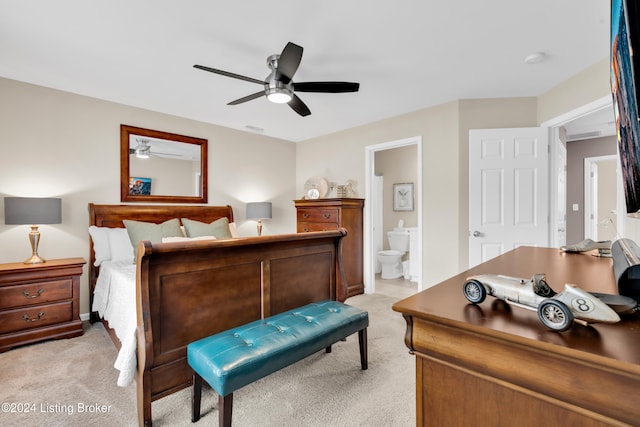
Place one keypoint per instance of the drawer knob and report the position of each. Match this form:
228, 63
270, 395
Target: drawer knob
28, 319
326, 215
27, 295
306, 230
305, 215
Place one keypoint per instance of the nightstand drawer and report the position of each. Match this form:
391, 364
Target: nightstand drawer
318, 215
35, 317
35, 293
305, 227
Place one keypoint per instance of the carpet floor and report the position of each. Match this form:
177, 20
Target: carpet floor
72, 382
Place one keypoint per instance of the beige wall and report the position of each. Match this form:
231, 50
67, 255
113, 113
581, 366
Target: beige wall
341, 156
57, 144
590, 85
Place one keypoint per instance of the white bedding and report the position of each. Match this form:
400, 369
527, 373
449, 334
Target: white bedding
114, 299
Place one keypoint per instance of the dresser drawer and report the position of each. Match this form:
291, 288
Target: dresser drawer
305, 227
318, 215
35, 317
35, 293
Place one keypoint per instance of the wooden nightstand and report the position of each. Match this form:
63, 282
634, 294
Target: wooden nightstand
39, 301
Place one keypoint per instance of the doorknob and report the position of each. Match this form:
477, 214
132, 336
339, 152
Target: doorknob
476, 233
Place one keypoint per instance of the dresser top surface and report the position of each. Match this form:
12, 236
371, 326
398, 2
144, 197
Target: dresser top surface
49, 264
446, 304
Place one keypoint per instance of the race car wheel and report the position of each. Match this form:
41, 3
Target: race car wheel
555, 315
474, 291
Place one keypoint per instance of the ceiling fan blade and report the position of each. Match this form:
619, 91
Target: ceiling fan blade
298, 106
327, 87
247, 98
289, 61
228, 74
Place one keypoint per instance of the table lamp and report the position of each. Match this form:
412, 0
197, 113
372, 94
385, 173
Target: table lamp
259, 211
34, 211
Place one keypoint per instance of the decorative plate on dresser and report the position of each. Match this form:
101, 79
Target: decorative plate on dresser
316, 187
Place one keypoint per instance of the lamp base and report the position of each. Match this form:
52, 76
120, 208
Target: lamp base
34, 259
34, 239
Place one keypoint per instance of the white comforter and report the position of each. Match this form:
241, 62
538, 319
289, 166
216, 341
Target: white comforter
114, 299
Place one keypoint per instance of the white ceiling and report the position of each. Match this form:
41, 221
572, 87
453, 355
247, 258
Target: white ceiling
406, 54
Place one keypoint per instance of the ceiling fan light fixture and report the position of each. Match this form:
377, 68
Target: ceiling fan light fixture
143, 150
279, 95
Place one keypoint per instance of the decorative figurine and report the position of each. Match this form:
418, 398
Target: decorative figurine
557, 311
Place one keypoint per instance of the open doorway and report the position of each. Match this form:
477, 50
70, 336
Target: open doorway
600, 204
374, 208
588, 122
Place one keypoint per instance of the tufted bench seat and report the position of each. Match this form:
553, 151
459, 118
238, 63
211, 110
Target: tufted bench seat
232, 359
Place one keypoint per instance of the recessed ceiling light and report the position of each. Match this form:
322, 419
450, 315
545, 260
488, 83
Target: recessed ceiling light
534, 58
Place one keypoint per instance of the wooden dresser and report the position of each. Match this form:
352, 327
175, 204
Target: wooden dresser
39, 301
496, 365
330, 214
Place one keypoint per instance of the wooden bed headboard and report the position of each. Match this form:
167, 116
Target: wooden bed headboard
113, 215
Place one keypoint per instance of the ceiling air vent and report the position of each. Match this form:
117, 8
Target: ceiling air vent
584, 135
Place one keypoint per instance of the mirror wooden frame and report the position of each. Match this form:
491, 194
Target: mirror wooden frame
125, 132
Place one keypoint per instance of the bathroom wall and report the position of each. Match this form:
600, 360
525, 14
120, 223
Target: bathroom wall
397, 165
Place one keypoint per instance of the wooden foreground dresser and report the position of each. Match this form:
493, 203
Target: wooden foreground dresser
39, 301
496, 365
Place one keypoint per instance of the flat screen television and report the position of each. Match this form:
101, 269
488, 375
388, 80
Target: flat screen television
625, 83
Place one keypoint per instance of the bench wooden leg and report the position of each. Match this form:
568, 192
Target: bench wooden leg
225, 408
196, 395
362, 339
327, 350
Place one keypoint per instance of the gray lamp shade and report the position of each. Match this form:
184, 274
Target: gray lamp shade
259, 210
32, 210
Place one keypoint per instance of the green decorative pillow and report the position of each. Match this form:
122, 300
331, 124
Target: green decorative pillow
218, 228
139, 230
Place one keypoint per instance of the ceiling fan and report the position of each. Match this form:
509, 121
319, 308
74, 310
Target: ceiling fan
279, 86
143, 150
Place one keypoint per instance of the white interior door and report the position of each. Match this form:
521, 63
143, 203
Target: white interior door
508, 191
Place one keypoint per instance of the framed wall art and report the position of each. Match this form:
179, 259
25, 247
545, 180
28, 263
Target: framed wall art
403, 196
139, 186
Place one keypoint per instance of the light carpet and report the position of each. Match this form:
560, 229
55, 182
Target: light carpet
72, 382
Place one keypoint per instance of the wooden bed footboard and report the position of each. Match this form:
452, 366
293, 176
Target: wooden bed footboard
186, 291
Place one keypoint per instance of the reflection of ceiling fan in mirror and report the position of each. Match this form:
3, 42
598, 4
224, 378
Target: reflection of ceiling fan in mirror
143, 150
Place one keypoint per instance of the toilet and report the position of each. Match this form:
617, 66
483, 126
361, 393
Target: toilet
391, 260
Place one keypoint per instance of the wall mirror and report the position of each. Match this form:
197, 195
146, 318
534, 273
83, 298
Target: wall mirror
162, 167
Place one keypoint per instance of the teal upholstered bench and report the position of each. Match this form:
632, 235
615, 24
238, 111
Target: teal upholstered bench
232, 359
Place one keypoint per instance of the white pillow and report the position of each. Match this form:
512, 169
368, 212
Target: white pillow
186, 239
101, 246
120, 244
111, 244
233, 230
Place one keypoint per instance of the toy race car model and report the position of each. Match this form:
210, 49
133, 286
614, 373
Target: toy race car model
557, 311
